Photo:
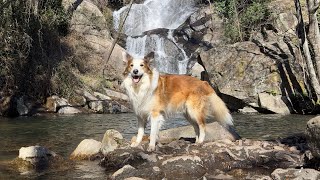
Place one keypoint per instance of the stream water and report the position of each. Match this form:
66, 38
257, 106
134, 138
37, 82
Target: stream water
62, 134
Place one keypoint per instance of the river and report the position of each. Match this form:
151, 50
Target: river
62, 134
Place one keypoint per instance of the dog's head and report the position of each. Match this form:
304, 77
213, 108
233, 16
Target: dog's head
137, 68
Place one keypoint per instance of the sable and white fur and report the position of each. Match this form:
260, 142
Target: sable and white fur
156, 97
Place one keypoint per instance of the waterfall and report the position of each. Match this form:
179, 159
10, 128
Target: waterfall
165, 15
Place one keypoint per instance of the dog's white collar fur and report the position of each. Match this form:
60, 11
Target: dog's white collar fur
141, 94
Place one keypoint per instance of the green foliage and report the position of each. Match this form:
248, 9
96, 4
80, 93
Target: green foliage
242, 17
30, 47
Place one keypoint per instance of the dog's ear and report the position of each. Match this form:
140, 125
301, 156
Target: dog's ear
126, 57
149, 57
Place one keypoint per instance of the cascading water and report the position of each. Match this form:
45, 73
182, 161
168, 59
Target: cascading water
152, 15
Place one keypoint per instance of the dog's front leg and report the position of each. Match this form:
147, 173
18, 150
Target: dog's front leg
141, 127
156, 120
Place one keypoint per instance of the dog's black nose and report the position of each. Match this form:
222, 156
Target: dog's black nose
135, 71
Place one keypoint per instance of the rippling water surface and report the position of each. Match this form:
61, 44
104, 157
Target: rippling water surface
62, 134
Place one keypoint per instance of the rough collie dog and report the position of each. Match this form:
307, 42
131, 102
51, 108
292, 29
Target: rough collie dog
156, 97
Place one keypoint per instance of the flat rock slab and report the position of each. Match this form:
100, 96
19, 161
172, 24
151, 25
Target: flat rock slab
214, 131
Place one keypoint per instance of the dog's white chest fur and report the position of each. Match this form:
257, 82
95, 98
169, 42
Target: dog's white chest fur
141, 94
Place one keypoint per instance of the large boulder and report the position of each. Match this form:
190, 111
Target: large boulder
274, 103
214, 131
86, 150
313, 136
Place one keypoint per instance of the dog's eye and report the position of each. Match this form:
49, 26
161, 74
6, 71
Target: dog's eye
141, 65
131, 65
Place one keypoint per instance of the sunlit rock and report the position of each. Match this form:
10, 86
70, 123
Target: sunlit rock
36, 155
69, 110
53, 103
292, 173
214, 131
111, 141
86, 150
274, 103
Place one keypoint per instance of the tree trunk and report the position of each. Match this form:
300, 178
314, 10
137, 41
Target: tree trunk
314, 34
304, 42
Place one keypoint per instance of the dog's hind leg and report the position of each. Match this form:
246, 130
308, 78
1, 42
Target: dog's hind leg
194, 124
141, 127
195, 115
156, 120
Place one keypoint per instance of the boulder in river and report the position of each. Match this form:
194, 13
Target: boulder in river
313, 136
36, 155
111, 141
86, 150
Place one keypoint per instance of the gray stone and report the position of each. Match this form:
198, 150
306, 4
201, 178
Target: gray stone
313, 136
97, 106
116, 94
69, 110
276, 104
248, 110
296, 174
54, 103
111, 141
214, 131
101, 96
22, 106
124, 170
196, 70
36, 155
86, 150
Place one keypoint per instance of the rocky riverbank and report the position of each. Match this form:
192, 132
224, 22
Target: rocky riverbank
222, 156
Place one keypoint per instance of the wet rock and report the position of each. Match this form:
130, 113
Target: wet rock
86, 150
214, 131
112, 139
69, 110
292, 173
313, 136
36, 155
276, 104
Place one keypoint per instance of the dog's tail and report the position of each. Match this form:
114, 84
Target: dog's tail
220, 111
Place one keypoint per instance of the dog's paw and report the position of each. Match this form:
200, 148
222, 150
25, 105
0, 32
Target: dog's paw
151, 148
135, 144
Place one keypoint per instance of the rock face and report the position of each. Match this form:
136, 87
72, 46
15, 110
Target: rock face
313, 136
87, 149
36, 155
214, 131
